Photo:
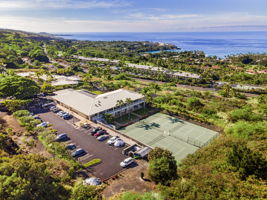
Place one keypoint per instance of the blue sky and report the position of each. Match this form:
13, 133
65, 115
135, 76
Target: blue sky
133, 15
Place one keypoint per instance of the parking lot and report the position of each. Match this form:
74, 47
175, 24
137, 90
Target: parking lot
110, 155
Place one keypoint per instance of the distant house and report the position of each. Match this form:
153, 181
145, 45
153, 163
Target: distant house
93, 107
262, 71
216, 67
251, 71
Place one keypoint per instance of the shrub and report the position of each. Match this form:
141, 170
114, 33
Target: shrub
21, 113
244, 114
247, 130
86, 192
247, 162
136, 196
121, 76
194, 103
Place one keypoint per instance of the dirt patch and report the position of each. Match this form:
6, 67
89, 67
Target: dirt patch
37, 148
40, 149
11, 122
129, 180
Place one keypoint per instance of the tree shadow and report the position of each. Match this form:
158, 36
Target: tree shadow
149, 126
81, 173
175, 120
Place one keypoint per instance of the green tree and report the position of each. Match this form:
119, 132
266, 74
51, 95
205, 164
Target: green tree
247, 162
47, 88
162, 166
28, 177
14, 105
227, 91
109, 118
18, 87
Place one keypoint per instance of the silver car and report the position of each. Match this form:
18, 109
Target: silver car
127, 162
119, 143
112, 140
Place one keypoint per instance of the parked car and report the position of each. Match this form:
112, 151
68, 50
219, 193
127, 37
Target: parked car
61, 113
86, 126
67, 116
101, 132
127, 162
37, 117
43, 124
48, 105
119, 143
112, 140
54, 109
78, 153
92, 181
62, 137
102, 137
95, 130
41, 95
71, 146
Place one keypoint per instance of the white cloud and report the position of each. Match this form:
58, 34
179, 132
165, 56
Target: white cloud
230, 21
143, 16
60, 4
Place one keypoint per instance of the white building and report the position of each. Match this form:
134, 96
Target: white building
93, 106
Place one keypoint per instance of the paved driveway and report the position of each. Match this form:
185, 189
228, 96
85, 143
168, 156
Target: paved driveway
110, 156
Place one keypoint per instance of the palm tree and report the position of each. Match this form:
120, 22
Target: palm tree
128, 101
119, 103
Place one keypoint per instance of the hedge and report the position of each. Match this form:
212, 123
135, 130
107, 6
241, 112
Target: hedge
92, 162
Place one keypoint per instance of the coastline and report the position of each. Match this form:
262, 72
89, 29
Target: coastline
220, 44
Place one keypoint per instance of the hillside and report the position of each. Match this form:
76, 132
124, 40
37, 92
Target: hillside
34, 166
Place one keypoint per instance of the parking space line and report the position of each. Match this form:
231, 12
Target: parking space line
82, 139
80, 159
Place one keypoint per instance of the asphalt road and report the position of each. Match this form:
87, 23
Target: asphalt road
110, 156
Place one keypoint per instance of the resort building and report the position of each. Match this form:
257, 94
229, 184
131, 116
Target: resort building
93, 107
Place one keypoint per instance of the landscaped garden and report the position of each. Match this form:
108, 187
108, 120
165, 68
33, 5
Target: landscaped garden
124, 119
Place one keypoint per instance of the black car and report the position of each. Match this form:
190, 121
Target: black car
37, 117
71, 146
62, 137
67, 116
78, 153
95, 130
86, 126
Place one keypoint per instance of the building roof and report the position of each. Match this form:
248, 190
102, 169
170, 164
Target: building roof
90, 104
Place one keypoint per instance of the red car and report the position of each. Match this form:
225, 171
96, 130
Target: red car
101, 132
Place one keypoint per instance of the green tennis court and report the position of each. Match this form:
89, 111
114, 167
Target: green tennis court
178, 136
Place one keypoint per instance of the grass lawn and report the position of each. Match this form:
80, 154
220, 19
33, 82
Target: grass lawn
125, 118
97, 92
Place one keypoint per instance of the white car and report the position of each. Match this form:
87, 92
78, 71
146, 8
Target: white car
127, 162
119, 143
112, 140
92, 181
43, 124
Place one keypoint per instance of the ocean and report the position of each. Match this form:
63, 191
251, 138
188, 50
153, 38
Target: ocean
218, 44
